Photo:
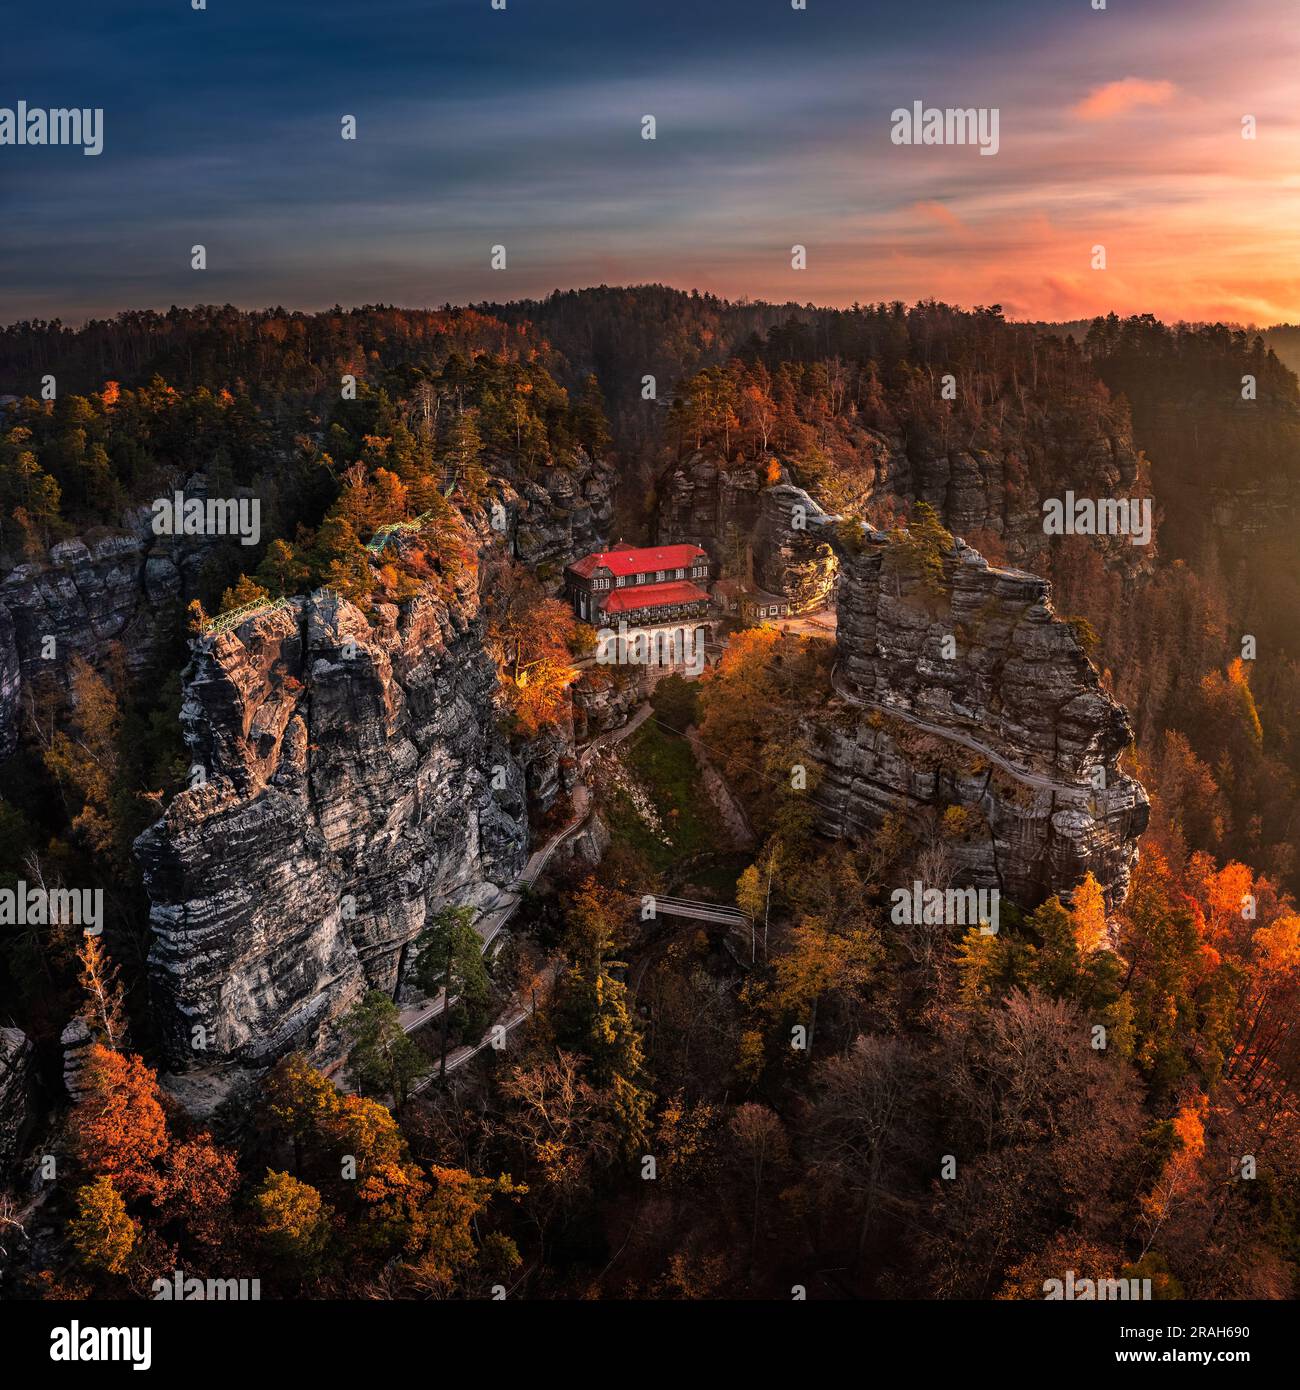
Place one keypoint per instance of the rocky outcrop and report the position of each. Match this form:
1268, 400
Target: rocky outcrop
17, 1061
121, 586
603, 699
563, 513
980, 651
88, 595
113, 588
792, 556
964, 688
705, 502
547, 761
349, 779
75, 1042
10, 684
994, 493
586, 847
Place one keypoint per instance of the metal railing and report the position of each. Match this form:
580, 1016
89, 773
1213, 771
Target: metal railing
385, 533
224, 622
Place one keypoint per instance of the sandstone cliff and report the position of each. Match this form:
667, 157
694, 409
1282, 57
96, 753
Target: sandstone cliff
703, 501
10, 684
561, 514
17, 1072
791, 554
966, 689
125, 586
129, 586
995, 492
347, 792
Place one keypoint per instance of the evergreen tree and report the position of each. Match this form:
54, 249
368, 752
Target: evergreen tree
382, 1060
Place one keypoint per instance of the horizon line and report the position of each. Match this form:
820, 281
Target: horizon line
76, 324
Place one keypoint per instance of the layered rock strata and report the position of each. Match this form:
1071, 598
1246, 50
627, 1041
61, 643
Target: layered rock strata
964, 688
349, 779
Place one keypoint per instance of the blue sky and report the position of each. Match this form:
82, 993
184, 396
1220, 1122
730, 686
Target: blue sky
522, 127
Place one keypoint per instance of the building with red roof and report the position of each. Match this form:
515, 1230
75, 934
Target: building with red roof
639, 585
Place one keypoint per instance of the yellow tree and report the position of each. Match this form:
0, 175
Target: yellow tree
246, 590
83, 760
1088, 916
1181, 1178
816, 962
292, 1220
103, 1235
299, 1102
448, 1224
104, 1010
977, 966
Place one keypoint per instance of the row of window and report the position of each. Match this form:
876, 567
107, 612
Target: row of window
662, 613
697, 572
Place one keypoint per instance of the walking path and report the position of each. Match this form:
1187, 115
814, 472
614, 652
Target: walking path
1031, 779
489, 924
508, 1022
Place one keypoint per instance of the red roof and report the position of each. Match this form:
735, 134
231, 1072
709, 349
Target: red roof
629, 560
654, 596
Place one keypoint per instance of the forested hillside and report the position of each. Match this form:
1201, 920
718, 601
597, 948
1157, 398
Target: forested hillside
434, 471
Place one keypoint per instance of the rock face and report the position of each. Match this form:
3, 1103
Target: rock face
710, 504
116, 588
75, 1041
1012, 675
547, 762
603, 699
85, 596
792, 556
993, 493
966, 689
564, 513
16, 1075
10, 684
123, 586
347, 793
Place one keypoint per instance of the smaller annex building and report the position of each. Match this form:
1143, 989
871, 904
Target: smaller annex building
639, 586
740, 599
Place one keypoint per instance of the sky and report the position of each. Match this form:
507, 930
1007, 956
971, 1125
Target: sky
522, 128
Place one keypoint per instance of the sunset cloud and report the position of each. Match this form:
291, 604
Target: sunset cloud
944, 216
1115, 98
537, 145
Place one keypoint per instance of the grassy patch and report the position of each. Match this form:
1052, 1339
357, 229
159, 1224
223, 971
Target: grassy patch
666, 769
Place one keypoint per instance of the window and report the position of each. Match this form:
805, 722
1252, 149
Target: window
640, 579
659, 576
681, 574
621, 581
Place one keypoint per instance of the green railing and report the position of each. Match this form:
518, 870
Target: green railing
224, 622
385, 533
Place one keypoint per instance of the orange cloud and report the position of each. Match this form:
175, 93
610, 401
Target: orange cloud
944, 216
1114, 98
